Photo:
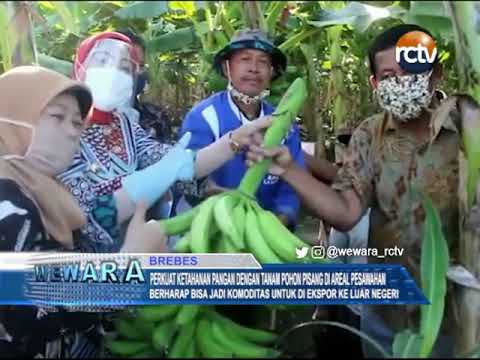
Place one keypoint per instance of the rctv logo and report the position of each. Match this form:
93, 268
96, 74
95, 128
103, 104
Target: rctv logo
416, 52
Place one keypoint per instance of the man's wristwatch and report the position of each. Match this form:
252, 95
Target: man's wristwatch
236, 147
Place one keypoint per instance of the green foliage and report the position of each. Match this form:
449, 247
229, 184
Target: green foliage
433, 268
407, 345
432, 16
7, 38
183, 36
176, 40
326, 42
474, 354
359, 16
143, 9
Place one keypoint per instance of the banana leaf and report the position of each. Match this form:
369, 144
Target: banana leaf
293, 41
359, 16
432, 16
62, 66
143, 10
175, 40
68, 18
18, 41
464, 16
434, 267
6, 40
407, 345
274, 13
189, 7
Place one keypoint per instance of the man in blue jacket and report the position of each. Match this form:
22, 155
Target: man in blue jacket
250, 62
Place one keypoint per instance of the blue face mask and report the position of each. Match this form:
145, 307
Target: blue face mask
142, 80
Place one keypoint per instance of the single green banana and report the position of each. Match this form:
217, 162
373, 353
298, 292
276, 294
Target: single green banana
180, 223
125, 329
223, 212
201, 226
249, 334
148, 354
239, 346
230, 245
163, 334
223, 244
220, 38
269, 222
183, 245
187, 314
127, 347
220, 244
155, 313
281, 245
183, 342
144, 328
239, 220
207, 346
255, 241
191, 351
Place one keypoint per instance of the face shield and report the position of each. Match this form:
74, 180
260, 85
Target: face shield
110, 71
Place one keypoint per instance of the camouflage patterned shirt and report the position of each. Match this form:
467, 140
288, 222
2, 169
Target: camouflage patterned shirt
382, 164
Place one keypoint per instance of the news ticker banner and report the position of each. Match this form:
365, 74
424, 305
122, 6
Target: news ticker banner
117, 280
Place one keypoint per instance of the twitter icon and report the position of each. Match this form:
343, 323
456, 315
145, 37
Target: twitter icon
301, 253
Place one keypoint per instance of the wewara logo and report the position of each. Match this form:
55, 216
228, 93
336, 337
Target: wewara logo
415, 52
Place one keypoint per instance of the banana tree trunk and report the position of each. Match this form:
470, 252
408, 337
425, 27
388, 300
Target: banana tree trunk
337, 91
253, 15
465, 17
310, 113
24, 52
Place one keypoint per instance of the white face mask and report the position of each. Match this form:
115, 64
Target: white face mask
111, 88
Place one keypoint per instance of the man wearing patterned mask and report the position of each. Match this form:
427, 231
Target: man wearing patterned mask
406, 96
412, 146
250, 62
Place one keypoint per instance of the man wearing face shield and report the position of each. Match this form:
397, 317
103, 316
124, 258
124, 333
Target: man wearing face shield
413, 144
250, 62
118, 161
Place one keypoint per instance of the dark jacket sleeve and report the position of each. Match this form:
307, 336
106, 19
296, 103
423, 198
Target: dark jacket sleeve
21, 228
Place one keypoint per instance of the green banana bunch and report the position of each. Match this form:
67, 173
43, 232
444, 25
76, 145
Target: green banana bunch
156, 330
233, 222
220, 337
188, 331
